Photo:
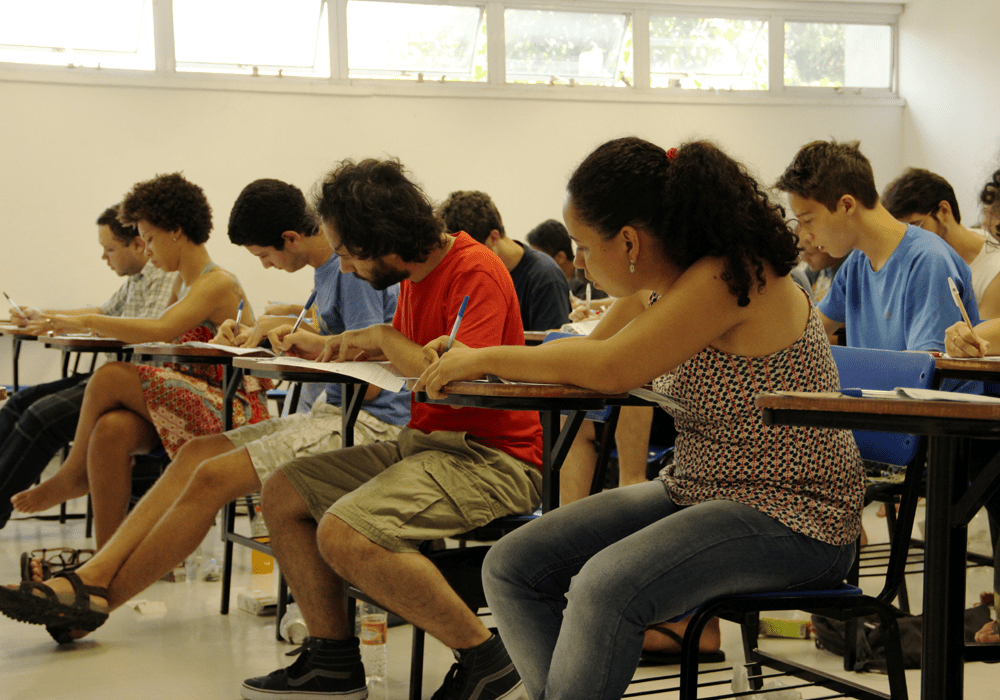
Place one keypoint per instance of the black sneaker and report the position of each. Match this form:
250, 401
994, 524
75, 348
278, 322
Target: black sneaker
482, 673
325, 668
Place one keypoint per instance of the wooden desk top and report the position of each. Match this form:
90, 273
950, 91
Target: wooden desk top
986, 369
831, 410
547, 391
3, 393
82, 343
167, 352
525, 397
535, 337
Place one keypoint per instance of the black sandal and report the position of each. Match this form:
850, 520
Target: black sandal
673, 658
63, 611
54, 561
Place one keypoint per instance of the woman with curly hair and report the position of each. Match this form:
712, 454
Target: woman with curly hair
131, 409
744, 507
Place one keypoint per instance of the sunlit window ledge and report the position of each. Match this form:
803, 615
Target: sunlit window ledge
455, 90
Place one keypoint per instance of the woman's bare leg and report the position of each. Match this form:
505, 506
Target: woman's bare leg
578, 468
113, 387
116, 437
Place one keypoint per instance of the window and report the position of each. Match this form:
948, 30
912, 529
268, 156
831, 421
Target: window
838, 55
405, 40
578, 47
252, 36
95, 34
700, 53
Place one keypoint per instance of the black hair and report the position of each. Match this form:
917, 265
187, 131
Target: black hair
123, 232
171, 203
376, 211
919, 191
471, 211
266, 209
695, 202
551, 237
824, 171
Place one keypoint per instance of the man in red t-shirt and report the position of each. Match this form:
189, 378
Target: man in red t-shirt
360, 513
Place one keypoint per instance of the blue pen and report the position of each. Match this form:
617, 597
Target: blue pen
239, 315
298, 321
458, 322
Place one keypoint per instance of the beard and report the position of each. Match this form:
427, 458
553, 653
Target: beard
384, 275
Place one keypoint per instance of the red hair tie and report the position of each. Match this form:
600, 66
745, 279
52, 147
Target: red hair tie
671, 153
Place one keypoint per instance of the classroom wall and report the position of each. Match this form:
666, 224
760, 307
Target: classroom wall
70, 150
949, 78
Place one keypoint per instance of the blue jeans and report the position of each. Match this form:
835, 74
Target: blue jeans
34, 424
573, 592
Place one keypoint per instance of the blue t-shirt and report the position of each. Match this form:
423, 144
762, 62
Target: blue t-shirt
346, 303
907, 305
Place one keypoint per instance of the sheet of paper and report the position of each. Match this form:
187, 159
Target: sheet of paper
381, 374
580, 327
231, 350
653, 397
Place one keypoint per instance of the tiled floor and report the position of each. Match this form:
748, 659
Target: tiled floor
192, 651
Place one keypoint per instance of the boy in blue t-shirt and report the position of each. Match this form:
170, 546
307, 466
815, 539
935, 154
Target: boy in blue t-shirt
892, 291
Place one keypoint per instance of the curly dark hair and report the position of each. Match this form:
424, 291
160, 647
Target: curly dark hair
551, 237
377, 211
266, 209
471, 211
989, 196
123, 232
919, 191
824, 171
699, 203
171, 203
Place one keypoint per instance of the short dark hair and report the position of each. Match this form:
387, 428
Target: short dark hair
551, 237
171, 203
123, 232
825, 171
919, 191
989, 196
471, 211
376, 210
266, 209
695, 202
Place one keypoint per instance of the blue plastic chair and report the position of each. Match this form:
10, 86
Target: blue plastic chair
858, 368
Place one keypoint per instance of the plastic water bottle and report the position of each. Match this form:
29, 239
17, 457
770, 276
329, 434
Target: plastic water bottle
261, 564
374, 628
293, 627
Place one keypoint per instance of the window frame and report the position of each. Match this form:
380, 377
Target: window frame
775, 12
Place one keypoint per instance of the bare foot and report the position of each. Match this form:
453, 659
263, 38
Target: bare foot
66, 484
989, 634
711, 637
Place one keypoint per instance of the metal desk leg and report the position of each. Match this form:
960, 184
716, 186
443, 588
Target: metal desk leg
944, 572
16, 354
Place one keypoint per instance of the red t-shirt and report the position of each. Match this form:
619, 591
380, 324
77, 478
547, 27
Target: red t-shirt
427, 310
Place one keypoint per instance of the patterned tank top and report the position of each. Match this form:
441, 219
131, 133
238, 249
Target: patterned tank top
809, 479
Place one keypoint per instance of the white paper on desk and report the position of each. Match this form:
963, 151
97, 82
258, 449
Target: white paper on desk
381, 374
988, 358
902, 392
580, 327
653, 397
229, 348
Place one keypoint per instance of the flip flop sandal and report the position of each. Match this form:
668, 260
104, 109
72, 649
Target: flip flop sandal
673, 658
54, 561
37, 604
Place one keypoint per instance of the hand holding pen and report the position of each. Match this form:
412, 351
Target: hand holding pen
970, 340
302, 315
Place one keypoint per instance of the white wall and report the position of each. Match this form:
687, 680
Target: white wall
949, 78
67, 151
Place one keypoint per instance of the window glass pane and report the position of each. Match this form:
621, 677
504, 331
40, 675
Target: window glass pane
109, 33
404, 40
706, 53
585, 47
236, 36
838, 55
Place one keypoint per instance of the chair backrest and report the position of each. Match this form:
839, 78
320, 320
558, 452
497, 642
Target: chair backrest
865, 368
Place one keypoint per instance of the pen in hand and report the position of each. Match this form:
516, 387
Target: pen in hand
458, 322
961, 307
588, 299
302, 315
11, 302
239, 315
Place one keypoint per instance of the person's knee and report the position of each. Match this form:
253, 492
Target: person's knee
340, 544
219, 480
113, 431
279, 500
